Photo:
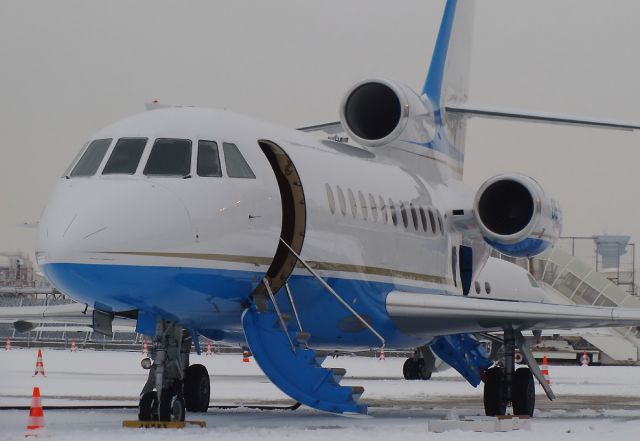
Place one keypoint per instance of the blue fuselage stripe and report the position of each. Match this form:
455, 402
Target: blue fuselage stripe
210, 300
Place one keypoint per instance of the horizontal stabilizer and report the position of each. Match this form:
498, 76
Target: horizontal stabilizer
330, 128
547, 118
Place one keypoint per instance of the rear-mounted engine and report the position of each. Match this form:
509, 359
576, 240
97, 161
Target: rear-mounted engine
515, 216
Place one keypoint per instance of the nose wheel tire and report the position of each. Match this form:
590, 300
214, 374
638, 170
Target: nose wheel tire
410, 369
171, 407
415, 369
148, 407
197, 388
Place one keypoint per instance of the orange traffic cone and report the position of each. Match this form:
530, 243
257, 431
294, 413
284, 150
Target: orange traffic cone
74, 347
245, 356
381, 357
7, 347
585, 359
545, 370
145, 348
208, 348
35, 426
39, 365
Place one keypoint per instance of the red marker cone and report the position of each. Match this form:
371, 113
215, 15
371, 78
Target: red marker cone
381, 355
74, 348
208, 348
35, 426
7, 347
245, 356
545, 370
39, 365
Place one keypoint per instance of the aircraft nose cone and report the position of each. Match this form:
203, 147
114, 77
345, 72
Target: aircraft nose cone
88, 218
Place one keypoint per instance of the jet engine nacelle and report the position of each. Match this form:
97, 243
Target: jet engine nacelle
515, 216
376, 112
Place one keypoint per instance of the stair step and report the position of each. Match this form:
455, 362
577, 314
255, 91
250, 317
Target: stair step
356, 392
298, 373
338, 374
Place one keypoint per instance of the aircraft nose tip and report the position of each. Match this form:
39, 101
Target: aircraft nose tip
85, 219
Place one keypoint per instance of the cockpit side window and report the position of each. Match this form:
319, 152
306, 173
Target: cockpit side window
169, 157
237, 166
208, 159
91, 159
125, 156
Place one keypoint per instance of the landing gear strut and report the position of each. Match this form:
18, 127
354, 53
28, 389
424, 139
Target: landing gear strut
504, 384
173, 386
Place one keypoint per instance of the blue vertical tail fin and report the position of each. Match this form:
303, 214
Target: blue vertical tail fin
447, 81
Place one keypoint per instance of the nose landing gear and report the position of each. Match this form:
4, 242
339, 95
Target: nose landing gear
173, 386
420, 366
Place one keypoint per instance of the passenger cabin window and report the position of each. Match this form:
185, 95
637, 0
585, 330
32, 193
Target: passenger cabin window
414, 217
363, 205
169, 157
403, 212
237, 167
341, 201
352, 203
208, 159
394, 213
374, 209
125, 156
331, 199
383, 210
432, 221
423, 218
92, 158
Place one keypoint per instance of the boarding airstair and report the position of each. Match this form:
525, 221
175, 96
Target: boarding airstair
296, 369
574, 282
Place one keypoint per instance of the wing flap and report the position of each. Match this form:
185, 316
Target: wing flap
431, 315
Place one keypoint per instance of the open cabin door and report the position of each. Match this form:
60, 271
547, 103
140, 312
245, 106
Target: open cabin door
294, 218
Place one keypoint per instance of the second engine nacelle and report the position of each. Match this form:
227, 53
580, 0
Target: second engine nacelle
515, 216
376, 112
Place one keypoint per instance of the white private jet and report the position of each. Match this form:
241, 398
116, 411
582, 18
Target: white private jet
196, 221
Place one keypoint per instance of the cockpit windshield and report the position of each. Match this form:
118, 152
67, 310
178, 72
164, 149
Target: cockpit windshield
169, 157
92, 158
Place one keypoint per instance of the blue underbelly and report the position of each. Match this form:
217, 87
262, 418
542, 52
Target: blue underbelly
210, 300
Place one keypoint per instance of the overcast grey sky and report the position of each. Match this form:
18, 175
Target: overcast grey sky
68, 68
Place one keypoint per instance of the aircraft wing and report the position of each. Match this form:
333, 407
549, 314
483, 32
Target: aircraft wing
25, 318
430, 315
74, 312
539, 117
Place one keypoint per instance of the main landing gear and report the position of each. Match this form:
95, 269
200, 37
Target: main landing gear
173, 386
503, 384
420, 366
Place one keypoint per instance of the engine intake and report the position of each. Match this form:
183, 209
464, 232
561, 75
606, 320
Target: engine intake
515, 216
376, 112
372, 111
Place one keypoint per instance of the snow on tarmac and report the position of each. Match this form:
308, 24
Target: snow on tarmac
593, 401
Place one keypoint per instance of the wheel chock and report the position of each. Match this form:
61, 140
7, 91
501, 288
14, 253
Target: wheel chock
481, 424
134, 424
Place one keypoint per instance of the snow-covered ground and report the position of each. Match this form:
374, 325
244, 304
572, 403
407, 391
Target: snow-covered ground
593, 401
